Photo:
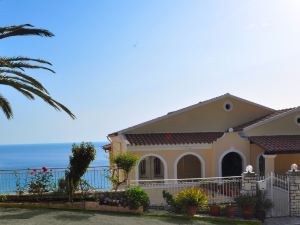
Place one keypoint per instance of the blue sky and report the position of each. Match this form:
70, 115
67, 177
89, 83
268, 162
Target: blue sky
119, 63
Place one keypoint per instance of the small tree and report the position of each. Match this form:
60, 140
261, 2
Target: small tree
80, 160
125, 162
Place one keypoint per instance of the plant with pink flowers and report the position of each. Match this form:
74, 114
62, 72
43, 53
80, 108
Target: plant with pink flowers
41, 181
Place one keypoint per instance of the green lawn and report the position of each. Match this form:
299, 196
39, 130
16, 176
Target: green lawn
11, 216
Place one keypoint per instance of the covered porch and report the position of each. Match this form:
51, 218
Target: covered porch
277, 153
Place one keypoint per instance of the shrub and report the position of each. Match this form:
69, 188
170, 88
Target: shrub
41, 182
168, 197
191, 197
137, 197
262, 202
80, 160
126, 162
244, 201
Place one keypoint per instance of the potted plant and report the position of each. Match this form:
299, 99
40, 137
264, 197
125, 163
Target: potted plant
190, 200
262, 205
214, 210
247, 204
230, 210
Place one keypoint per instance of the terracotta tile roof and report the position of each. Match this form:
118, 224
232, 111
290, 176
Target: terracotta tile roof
106, 147
278, 144
260, 119
173, 138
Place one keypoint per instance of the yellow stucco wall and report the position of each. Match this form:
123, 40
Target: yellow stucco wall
228, 143
170, 157
283, 126
206, 118
255, 151
283, 162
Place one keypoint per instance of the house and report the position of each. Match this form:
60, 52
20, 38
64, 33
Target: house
213, 138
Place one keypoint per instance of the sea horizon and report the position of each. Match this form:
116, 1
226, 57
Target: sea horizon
36, 155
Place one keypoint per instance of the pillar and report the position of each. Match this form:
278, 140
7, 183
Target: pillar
294, 190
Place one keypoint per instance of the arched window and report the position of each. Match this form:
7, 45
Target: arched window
151, 167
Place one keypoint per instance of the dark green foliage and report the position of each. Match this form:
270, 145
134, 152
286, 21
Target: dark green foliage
168, 198
137, 197
263, 203
246, 201
80, 160
13, 72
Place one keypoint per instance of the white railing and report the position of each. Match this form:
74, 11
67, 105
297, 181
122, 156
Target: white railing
218, 189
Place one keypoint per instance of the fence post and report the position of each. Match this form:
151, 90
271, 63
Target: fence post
294, 190
249, 182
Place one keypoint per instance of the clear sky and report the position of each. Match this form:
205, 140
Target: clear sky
120, 63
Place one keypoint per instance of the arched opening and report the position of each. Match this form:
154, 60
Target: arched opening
151, 168
189, 166
232, 165
261, 165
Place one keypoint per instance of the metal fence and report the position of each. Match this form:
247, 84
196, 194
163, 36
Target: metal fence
218, 189
16, 181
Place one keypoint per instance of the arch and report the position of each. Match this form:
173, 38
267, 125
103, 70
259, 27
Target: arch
189, 153
232, 150
153, 155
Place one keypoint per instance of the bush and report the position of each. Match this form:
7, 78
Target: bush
137, 197
80, 160
41, 182
244, 201
262, 202
126, 162
191, 197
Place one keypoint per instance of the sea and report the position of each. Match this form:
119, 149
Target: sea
23, 156
18, 161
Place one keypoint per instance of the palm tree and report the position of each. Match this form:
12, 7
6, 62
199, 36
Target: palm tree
13, 72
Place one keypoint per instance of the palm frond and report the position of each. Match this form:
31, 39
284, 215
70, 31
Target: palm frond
21, 58
5, 107
18, 85
22, 30
32, 81
23, 65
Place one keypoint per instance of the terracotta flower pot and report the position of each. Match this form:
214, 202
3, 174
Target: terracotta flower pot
230, 211
191, 210
248, 212
214, 210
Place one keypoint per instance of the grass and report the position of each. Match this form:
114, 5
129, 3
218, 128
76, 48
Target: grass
11, 216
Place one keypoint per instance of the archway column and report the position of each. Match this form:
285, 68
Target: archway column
269, 164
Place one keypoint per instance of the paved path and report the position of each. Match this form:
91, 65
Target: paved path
283, 221
12, 216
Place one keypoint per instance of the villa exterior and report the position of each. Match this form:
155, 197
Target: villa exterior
214, 138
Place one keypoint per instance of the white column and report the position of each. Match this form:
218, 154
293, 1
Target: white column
269, 164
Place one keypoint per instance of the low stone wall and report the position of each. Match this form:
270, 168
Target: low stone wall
92, 206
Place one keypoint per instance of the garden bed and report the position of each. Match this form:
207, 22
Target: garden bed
87, 205
106, 201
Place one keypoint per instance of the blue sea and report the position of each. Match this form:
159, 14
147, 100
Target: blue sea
39, 155
36, 156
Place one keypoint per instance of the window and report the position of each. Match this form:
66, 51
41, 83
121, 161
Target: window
227, 106
143, 167
157, 169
